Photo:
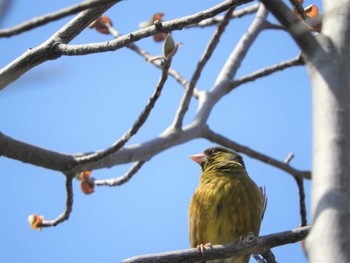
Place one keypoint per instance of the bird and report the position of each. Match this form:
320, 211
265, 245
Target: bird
227, 204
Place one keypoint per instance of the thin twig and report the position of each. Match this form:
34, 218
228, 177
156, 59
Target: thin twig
168, 26
42, 20
255, 245
213, 42
297, 61
300, 184
236, 14
143, 53
269, 25
138, 123
217, 138
121, 179
69, 206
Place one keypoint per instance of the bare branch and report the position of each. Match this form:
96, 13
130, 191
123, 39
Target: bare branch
297, 61
236, 14
299, 31
213, 42
138, 123
42, 20
249, 245
289, 158
217, 138
121, 179
28, 153
172, 72
300, 184
269, 25
177, 24
235, 59
45, 51
69, 206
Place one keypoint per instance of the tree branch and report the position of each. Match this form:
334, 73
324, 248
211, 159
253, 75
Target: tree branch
176, 24
121, 179
69, 206
301, 34
218, 19
217, 138
42, 20
28, 153
297, 61
300, 184
249, 245
45, 51
238, 54
138, 123
213, 42
143, 53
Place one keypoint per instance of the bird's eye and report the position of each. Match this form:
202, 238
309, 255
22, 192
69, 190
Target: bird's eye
213, 151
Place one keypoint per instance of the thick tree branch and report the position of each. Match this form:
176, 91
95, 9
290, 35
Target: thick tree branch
249, 245
137, 152
45, 51
42, 20
28, 153
299, 31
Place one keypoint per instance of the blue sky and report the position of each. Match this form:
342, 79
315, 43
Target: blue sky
78, 104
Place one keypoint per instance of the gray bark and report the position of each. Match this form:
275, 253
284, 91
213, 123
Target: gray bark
329, 70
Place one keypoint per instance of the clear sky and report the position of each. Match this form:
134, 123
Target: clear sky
80, 104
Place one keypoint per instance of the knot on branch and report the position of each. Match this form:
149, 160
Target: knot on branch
52, 49
131, 37
158, 24
249, 240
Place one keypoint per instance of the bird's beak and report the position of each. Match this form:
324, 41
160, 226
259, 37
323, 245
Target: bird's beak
198, 158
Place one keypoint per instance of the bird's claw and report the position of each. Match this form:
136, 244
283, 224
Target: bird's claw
202, 247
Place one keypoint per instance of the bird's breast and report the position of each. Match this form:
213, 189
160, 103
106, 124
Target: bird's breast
222, 210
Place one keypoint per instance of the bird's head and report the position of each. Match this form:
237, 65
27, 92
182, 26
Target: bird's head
217, 157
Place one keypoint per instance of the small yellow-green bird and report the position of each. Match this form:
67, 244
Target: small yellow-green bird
227, 204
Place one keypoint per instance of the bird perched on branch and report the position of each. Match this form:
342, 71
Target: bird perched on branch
227, 204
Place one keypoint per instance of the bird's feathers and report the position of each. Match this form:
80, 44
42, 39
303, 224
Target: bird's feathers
227, 204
